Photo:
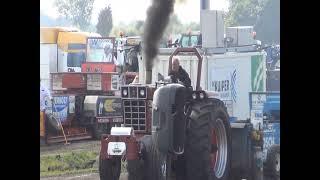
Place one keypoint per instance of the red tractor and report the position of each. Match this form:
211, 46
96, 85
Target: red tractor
169, 131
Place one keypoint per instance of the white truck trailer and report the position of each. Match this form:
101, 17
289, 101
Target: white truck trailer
231, 75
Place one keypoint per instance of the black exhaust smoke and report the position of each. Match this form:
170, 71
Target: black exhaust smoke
158, 15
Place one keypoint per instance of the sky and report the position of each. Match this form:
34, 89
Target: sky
132, 10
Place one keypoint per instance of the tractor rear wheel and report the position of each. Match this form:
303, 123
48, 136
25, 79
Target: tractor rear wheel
109, 169
208, 146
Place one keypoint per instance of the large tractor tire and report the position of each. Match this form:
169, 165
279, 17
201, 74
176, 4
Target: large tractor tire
135, 170
208, 146
273, 162
179, 166
160, 164
109, 169
140, 169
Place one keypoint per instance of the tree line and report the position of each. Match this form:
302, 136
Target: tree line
264, 15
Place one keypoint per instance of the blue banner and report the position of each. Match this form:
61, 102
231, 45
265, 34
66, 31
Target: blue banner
60, 107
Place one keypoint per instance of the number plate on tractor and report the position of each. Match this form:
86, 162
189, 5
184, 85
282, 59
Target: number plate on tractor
116, 148
108, 120
118, 120
103, 120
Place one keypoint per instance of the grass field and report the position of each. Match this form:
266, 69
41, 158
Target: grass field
68, 163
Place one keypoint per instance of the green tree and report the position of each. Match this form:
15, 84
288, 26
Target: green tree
193, 26
176, 27
264, 15
181, 1
139, 26
244, 12
105, 23
268, 24
115, 31
77, 11
134, 28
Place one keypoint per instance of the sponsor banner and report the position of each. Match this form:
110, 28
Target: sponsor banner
60, 107
109, 107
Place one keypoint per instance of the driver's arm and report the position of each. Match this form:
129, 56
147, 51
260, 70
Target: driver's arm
184, 77
174, 77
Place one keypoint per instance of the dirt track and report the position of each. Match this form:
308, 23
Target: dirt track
93, 145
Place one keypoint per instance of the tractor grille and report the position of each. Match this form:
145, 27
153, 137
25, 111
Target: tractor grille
135, 114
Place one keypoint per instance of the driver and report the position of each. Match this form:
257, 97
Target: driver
178, 73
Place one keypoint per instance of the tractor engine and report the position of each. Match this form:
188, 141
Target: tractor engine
168, 118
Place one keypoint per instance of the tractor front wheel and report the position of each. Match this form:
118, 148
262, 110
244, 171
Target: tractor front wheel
110, 169
135, 170
159, 164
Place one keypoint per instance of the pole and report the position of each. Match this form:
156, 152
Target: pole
205, 4
59, 122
